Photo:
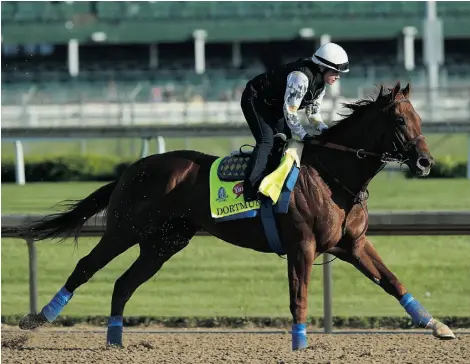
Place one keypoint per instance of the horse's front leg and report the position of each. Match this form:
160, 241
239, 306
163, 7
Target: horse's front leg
367, 260
300, 260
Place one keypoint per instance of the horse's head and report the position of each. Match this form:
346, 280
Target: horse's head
403, 137
387, 126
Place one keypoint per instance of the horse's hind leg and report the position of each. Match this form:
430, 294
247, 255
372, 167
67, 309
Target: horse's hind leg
109, 247
155, 250
367, 260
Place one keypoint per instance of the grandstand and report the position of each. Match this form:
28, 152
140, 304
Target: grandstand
148, 53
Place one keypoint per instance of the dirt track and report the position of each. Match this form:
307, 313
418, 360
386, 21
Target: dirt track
85, 347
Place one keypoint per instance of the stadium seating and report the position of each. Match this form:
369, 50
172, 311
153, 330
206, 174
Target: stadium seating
114, 10
99, 78
215, 84
218, 81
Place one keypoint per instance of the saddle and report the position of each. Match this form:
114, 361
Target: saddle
233, 167
226, 187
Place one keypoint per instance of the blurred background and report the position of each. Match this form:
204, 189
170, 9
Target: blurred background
108, 63
88, 87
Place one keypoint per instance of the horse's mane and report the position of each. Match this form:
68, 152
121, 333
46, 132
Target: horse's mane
358, 108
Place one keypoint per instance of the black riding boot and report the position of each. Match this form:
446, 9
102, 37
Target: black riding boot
255, 170
256, 116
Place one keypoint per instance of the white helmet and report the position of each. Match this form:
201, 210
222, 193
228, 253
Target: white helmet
332, 56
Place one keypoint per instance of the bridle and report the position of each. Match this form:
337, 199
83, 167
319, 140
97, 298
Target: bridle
385, 157
404, 145
361, 153
397, 155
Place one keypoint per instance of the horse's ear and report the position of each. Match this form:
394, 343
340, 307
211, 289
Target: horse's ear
406, 91
396, 90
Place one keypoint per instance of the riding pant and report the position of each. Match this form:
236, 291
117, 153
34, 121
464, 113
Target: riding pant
263, 125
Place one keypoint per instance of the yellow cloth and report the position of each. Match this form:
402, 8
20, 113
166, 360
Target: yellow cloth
295, 149
272, 184
226, 198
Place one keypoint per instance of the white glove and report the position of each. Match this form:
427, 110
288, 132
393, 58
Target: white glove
299, 137
321, 127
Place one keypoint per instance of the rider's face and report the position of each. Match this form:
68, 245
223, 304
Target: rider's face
330, 76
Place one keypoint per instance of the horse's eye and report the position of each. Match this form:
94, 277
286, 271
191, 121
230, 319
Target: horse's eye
400, 120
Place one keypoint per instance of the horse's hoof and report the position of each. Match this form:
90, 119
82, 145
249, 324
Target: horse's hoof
442, 331
32, 321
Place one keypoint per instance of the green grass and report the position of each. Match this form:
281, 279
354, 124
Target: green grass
126, 147
454, 145
387, 192
212, 278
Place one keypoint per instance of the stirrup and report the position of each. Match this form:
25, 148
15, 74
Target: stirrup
241, 152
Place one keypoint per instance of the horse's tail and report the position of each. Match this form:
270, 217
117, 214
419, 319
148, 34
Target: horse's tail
65, 224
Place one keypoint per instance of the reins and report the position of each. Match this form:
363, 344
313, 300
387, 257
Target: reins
363, 194
395, 156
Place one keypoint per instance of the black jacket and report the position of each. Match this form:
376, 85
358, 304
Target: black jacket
270, 86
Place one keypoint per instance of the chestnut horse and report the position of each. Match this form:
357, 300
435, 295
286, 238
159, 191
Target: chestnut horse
162, 200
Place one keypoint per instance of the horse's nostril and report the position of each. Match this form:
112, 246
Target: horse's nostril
424, 162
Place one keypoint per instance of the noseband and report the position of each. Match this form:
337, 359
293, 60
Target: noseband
361, 153
412, 142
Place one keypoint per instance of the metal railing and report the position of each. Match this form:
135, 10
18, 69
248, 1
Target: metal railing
421, 223
134, 105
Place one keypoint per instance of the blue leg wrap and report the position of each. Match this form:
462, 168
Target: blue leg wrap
114, 335
57, 304
299, 336
419, 315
